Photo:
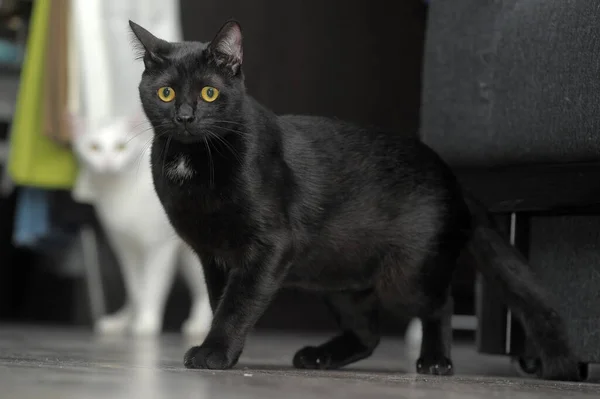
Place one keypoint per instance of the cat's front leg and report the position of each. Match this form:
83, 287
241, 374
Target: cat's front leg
247, 294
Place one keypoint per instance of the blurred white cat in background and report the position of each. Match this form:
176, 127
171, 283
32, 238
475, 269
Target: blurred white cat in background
115, 177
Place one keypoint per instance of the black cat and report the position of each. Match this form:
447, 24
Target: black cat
369, 218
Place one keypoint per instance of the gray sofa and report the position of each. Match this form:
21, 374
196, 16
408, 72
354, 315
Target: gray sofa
511, 99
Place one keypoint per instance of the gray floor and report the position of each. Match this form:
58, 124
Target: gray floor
46, 363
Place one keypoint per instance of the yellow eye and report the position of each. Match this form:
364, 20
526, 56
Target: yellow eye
166, 94
94, 147
209, 94
120, 146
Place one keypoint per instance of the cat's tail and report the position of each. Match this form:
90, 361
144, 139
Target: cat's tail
507, 270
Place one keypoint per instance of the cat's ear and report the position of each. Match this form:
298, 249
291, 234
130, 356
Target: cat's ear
226, 48
149, 47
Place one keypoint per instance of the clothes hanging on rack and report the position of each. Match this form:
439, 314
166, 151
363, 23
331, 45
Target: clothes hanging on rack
34, 227
39, 161
56, 83
69, 69
35, 160
48, 220
32, 221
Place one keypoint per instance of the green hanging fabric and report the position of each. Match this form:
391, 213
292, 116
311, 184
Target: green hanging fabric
34, 159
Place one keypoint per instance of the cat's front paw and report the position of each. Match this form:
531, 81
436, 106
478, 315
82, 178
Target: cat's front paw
146, 327
435, 366
115, 324
213, 357
312, 357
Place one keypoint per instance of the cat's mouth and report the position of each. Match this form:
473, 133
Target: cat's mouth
185, 136
189, 134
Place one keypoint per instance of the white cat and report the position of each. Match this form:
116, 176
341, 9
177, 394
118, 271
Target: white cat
115, 177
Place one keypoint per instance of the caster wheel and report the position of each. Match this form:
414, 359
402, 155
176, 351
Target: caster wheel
528, 367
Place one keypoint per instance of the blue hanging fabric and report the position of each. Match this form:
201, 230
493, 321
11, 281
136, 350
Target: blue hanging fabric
32, 217
35, 227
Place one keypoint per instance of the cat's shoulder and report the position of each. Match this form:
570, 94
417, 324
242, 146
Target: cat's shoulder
319, 128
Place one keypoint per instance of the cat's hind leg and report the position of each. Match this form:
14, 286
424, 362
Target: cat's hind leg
436, 342
357, 315
413, 285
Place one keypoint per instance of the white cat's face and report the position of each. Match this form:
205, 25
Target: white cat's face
112, 148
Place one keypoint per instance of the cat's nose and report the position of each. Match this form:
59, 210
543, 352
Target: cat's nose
185, 118
185, 114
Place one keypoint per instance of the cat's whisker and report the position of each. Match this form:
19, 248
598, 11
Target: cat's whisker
240, 132
211, 166
141, 124
229, 122
226, 144
147, 123
137, 135
155, 128
218, 122
145, 147
140, 157
212, 135
165, 154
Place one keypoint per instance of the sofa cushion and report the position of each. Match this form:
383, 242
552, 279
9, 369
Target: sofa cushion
512, 82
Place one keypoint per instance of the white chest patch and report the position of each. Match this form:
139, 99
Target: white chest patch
179, 170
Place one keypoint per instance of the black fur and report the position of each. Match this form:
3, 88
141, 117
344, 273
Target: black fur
368, 217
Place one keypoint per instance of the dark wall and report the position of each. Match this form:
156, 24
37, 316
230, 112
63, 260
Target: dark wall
356, 60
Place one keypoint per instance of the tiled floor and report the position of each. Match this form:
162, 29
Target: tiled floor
48, 364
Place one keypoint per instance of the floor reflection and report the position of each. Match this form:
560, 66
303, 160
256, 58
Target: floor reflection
62, 364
